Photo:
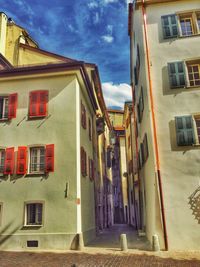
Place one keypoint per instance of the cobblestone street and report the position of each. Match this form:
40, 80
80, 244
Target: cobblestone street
93, 259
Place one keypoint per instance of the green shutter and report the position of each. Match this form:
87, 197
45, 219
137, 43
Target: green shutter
184, 131
177, 75
170, 26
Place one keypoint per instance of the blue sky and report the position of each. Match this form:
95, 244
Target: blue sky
91, 30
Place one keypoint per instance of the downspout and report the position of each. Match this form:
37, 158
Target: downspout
154, 126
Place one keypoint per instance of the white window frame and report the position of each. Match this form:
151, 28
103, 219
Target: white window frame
25, 212
5, 98
38, 162
186, 64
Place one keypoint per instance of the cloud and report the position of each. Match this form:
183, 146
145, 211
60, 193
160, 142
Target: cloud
92, 5
96, 18
116, 94
110, 1
107, 38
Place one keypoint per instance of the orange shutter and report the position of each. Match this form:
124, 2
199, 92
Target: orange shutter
12, 106
9, 161
42, 105
21, 160
49, 162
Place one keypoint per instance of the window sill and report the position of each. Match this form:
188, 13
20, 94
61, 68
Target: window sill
36, 117
35, 174
196, 145
32, 226
188, 36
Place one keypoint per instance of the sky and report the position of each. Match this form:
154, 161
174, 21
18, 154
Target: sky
94, 31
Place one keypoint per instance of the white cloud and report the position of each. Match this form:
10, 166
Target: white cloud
107, 38
92, 4
116, 94
96, 18
110, 1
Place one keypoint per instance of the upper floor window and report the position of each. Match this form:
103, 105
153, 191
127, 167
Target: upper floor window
2, 160
83, 116
184, 24
184, 74
38, 103
185, 133
140, 106
40, 160
8, 106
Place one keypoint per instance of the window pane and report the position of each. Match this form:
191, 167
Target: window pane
186, 26
165, 20
172, 68
167, 31
34, 214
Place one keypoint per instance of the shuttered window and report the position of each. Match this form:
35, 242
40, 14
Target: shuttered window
2, 160
184, 131
12, 106
83, 116
49, 158
170, 26
177, 74
83, 162
140, 106
91, 169
90, 129
9, 161
38, 103
21, 160
145, 147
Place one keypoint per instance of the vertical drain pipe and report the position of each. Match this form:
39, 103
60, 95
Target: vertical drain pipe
154, 126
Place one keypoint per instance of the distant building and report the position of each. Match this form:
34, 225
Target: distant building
54, 129
165, 79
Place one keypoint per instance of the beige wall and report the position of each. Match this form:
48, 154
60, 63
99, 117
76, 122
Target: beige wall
3, 22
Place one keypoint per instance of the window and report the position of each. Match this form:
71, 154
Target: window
83, 162
185, 131
129, 141
194, 74
34, 214
83, 116
41, 160
145, 148
2, 160
38, 103
91, 169
140, 106
37, 160
90, 129
186, 24
184, 74
8, 106
137, 66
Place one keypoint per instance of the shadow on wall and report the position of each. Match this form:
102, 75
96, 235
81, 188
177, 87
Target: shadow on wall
5, 234
194, 202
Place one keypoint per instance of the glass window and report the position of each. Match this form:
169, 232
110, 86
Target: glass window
37, 160
2, 160
3, 107
194, 74
34, 214
186, 25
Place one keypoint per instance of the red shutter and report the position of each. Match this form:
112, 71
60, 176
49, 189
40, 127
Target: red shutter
82, 161
49, 162
12, 106
9, 161
42, 105
33, 105
21, 160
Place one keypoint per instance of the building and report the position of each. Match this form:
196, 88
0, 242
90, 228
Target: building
120, 186
165, 79
52, 116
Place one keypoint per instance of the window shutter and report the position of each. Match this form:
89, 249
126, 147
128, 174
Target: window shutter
12, 106
170, 26
82, 161
177, 74
21, 160
90, 129
135, 75
42, 103
92, 167
85, 163
184, 131
33, 103
49, 158
9, 161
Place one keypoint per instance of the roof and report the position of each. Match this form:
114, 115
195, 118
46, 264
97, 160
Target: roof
149, 2
4, 63
47, 53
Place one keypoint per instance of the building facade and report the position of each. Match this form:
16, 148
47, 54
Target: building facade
51, 113
165, 79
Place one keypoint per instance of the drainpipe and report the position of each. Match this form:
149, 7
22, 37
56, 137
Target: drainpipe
154, 126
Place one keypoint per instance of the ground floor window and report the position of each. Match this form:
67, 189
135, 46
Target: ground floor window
34, 213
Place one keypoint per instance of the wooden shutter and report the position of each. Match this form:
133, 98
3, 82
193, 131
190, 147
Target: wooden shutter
170, 26
82, 161
90, 129
21, 159
12, 106
49, 158
177, 74
38, 103
42, 103
135, 75
184, 131
92, 169
145, 146
83, 116
9, 161
85, 163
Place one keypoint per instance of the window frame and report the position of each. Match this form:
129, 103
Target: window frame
42, 202
29, 159
192, 64
2, 149
193, 15
4, 107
